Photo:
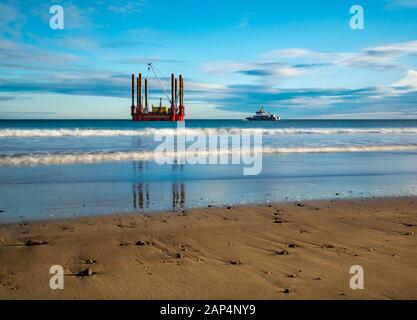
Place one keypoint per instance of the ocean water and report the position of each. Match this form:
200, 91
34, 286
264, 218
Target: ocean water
65, 168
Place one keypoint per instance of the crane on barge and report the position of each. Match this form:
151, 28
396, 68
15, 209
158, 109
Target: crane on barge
176, 101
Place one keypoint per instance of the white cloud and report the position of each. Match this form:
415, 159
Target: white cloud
11, 20
394, 49
402, 3
409, 80
314, 101
127, 7
376, 58
287, 53
262, 69
364, 61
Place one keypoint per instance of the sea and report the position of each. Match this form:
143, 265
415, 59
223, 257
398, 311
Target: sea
71, 168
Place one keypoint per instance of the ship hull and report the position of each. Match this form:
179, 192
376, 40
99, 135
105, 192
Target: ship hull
157, 117
269, 119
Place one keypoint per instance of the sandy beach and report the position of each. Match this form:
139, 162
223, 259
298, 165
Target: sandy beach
272, 251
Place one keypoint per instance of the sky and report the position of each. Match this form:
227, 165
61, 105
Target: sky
299, 59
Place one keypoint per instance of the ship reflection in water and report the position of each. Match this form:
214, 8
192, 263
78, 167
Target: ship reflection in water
142, 196
141, 192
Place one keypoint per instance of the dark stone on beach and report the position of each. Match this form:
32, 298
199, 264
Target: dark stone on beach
235, 262
300, 205
318, 278
144, 243
328, 246
90, 261
85, 273
229, 208
209, 206
282, 252
278, 221
287, 290
408, 224
31, 243
269, 205
291, 245
179, 256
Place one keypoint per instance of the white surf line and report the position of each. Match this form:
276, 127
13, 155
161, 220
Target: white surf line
97, 157
56, 133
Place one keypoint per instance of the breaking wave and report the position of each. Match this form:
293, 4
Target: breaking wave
46, 133
97, 157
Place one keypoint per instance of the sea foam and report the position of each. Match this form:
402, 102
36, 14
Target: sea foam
97, 157
56, 133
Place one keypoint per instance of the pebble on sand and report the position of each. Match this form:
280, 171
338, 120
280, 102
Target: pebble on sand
144, 243
282, 252
85, 273
31, 243
328, 246
235, 262
90, 261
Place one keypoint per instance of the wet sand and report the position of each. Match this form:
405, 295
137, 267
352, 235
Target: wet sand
278, 251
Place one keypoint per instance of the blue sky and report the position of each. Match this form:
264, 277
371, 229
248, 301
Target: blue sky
297, 58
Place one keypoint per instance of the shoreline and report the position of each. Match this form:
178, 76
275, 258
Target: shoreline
289, 250
199, 208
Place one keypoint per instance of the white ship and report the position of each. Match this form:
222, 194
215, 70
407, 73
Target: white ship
263, 115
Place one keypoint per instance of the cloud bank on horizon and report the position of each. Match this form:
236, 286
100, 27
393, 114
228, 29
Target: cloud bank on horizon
298, 59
